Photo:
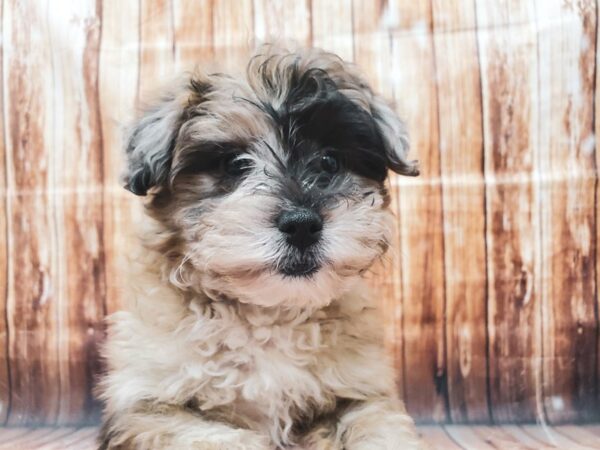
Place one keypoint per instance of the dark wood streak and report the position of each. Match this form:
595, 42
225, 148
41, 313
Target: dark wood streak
86, 318
513, 302
422, 241
460, 124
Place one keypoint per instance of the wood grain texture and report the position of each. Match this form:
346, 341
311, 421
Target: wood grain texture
118, 86
491, 292
412, 68
283, 21
566, 167
509, 72
33, 292
157, 46
193, 34
76, 152
332, 27
372, 53
5, 382
463, 196
233, 33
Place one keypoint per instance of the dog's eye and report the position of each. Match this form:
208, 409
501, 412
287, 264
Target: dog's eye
329, 163
235, 166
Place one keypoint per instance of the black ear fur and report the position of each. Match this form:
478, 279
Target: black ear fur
150, 146
394, 137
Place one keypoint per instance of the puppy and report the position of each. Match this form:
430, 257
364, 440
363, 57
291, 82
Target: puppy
251, 327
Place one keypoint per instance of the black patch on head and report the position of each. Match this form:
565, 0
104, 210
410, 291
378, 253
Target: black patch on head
316, 114
150, 166
141, 175
206, 157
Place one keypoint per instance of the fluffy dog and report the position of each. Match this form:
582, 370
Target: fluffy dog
251, 327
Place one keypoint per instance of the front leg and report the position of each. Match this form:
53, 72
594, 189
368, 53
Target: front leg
378, 424
174, 428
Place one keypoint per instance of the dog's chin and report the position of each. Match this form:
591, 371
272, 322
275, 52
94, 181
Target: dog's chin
293, 279
300, 269
301, 284
300, 264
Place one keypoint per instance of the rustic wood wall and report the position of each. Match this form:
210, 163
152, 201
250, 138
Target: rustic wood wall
492, 293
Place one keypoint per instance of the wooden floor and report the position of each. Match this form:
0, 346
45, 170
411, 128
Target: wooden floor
454, 437
449, 437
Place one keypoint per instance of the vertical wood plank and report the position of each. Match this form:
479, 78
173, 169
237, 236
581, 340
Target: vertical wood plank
371, 44
566, 166
507, 52
283, 21
68, 220
157, 45
412, 68
76, 150
4, 344
461, 154
33, 282
233, 33
372, 52
193, 34
597, 194
118, 85
332, 27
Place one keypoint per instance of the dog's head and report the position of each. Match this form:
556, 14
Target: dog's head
270, 189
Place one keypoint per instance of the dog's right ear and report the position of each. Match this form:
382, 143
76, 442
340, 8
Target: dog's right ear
150, 144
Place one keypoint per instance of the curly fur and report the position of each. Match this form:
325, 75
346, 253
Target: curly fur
219, 348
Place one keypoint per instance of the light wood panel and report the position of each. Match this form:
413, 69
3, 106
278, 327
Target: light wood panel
75, 155
283, 21
33, 275
193, 34
567, 172
233, 33
332, 26
5, 384
119, 74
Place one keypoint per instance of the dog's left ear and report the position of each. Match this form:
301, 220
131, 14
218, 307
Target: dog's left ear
395, 138
149, 148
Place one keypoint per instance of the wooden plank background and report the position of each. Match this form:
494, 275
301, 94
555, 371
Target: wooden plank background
491, 294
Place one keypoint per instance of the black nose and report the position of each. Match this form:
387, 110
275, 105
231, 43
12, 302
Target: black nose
301, 226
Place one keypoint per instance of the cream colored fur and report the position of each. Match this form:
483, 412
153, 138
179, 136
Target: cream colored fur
255, 368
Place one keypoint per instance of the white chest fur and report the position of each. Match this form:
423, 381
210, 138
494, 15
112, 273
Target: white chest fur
252, 365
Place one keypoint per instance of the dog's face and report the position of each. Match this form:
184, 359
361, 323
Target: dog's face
270, 190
